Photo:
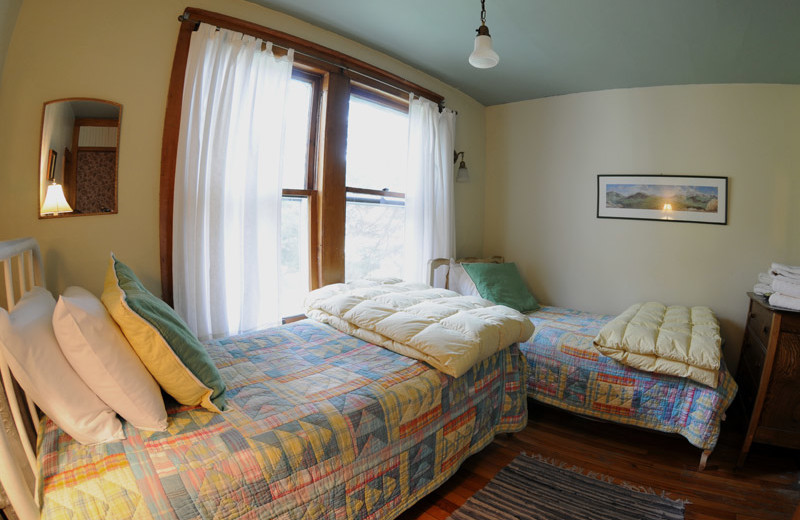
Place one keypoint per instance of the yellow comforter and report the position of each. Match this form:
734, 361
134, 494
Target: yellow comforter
675, 340
448, 331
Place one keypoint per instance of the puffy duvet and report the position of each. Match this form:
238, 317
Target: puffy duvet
674, 340
448, 331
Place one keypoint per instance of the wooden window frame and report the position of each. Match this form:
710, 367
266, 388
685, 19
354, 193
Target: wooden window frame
338, 75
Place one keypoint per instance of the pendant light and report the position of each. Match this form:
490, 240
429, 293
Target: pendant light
483, 56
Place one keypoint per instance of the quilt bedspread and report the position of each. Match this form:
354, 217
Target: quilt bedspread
566, 371
321, 425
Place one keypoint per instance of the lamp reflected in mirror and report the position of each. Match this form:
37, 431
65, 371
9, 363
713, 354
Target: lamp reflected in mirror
79, 157
54, 202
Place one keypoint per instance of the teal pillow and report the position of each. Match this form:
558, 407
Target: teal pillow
162, 340
501, 284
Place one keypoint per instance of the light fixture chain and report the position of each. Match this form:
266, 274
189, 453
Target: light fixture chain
483, 12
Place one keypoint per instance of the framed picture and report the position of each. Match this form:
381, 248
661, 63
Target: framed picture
51, 165
663, 197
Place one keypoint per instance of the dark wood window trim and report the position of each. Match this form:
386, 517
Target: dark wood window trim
339, 74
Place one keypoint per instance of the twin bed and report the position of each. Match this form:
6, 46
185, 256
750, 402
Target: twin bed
321, 424
565, 370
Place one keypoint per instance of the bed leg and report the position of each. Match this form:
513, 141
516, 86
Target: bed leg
703, 460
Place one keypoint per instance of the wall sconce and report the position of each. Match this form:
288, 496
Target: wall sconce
54, 201
462, 174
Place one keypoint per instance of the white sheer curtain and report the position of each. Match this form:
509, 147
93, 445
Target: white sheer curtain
430, 213
226, 223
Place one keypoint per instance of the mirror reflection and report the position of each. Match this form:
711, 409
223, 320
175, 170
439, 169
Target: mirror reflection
79, 157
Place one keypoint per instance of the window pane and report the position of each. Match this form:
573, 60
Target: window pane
297, 121
294, 255
373, 245
377, 141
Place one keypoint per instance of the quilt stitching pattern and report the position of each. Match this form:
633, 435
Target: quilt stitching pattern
321, 425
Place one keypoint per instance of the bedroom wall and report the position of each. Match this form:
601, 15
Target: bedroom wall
9, 9
122, 51
543, 158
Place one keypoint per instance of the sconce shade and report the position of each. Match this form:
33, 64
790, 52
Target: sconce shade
54, 201
483, 56
462, 175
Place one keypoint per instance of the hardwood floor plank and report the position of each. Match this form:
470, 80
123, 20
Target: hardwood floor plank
766, 488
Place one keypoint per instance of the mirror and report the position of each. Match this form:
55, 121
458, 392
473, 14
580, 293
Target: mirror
79, 157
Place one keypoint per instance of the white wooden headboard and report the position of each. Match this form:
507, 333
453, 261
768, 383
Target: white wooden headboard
22, 266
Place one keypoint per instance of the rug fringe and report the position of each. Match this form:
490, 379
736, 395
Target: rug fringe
605, 478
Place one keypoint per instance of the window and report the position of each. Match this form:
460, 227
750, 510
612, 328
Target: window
377, 138
298, 187
342, 213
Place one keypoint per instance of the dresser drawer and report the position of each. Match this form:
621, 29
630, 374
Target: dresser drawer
759, 322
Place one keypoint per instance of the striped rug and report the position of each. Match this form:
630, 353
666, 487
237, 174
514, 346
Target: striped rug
531, 489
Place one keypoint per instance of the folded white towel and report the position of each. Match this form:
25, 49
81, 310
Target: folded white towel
787, 286
791, 271
765, 278
763, 289
785, 301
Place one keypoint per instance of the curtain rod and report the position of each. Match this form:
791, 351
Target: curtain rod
186, 17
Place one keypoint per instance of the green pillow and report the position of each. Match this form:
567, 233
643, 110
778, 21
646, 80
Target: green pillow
502, 284
162, 340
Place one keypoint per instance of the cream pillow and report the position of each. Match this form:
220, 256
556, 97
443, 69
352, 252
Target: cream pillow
31, 350
98, 351
459, 281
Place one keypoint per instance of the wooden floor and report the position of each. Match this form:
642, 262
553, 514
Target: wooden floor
766, 488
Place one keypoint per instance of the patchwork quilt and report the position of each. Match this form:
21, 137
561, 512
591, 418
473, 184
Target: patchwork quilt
566, 371
320, 425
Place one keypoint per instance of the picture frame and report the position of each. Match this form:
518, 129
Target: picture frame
667, 198
51, 165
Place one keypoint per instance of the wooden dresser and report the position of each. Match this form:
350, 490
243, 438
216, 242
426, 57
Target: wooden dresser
769, 376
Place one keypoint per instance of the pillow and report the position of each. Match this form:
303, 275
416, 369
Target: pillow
103, 358
502, 284
161, 339
459, 281
32, 352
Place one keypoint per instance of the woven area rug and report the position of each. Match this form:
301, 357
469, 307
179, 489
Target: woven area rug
531, 489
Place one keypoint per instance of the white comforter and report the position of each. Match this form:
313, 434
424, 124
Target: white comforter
442, 328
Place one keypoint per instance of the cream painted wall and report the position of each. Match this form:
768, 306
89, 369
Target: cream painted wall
9, 9
543, 157
122, 51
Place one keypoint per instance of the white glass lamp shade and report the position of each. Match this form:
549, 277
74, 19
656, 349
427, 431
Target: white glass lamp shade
483, 56
54, 201
462, 175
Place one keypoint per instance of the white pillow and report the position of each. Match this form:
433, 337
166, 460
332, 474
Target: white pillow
32, 352
459, 281
97, 350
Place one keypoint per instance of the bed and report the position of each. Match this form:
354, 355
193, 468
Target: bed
319, 425
566, 371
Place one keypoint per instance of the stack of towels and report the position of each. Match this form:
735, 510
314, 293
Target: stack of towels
782, 285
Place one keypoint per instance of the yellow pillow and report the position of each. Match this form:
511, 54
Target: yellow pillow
171, 353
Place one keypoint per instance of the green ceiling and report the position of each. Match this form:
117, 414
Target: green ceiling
552, 47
